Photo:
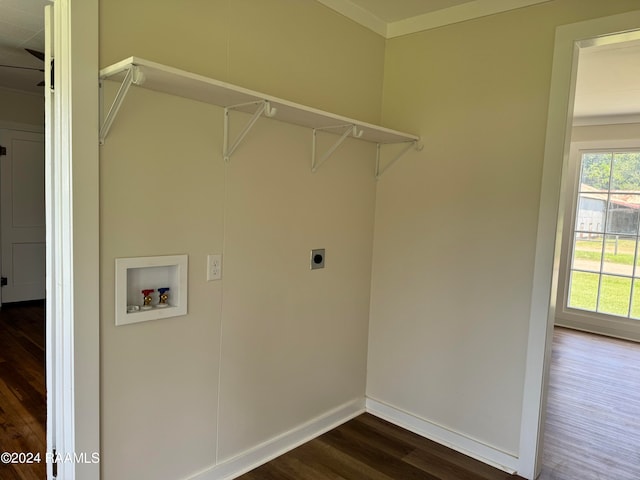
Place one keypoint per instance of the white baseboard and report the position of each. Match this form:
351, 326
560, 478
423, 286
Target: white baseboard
456, 441
624, 329
281, 444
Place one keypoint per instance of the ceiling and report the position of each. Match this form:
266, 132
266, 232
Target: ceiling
608, 76
608, 82
21, 26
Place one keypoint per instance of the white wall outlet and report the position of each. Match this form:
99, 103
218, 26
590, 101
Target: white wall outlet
214, 267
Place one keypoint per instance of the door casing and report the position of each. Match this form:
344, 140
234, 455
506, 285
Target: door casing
569, 38
71, 183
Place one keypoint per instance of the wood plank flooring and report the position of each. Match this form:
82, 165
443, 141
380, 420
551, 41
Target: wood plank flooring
592, 431
368, 448
22, 387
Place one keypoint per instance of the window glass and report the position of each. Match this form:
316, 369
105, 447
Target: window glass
605, 265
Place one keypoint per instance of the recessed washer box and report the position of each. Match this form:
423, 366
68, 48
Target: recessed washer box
150, 273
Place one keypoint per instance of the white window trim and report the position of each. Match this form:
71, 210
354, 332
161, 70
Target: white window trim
601, 323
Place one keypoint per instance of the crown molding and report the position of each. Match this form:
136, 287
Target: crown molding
358, 15
427, 21
457, 14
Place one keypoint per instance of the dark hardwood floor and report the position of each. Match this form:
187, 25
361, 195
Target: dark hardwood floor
592, 431
368, 448
22, 388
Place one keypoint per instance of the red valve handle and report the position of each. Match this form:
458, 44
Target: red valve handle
147, 292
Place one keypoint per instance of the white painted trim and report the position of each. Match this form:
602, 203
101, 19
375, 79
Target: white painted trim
427, 21
610, 328
600, 323
50, 277
456, 14
444, 436
72, 241
358, 15
281, 444
550, 219
606, 120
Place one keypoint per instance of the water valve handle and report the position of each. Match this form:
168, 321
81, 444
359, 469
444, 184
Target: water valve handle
147, 298
162, 290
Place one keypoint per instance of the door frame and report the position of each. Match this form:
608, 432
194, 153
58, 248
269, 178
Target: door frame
72, 216
569, 39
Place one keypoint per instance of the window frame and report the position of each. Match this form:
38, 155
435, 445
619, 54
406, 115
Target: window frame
602, 323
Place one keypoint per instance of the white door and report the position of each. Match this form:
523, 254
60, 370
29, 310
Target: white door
22, 218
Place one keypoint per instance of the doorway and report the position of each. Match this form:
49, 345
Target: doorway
569, 39
592, 386
72, 254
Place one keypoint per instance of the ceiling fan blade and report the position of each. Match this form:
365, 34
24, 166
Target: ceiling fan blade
36, 53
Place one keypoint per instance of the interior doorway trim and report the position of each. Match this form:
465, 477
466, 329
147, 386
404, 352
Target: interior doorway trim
72, 216
569, 38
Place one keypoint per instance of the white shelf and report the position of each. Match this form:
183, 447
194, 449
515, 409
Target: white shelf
162, 78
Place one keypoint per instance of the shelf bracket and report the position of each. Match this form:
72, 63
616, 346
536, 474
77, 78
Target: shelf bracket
264, 107
415, 144
133, 77
350, 130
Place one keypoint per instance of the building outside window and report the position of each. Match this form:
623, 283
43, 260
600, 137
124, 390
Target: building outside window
604, 270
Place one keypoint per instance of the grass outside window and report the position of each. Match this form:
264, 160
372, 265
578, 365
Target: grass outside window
605, 260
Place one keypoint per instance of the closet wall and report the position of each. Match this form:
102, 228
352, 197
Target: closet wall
273, 344
456, 226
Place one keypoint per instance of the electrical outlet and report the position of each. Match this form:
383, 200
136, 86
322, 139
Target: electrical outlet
214, 267
317, 258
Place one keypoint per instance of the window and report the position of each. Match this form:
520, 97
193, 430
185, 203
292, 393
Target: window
604, 273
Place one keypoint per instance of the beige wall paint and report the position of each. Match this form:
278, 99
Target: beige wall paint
273, 344
298, 50
294, 340
161, 193
455, 225
19, 107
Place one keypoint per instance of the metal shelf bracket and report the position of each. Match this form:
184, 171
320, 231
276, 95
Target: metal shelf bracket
133, 77
264, 107
410, 145
350, 130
